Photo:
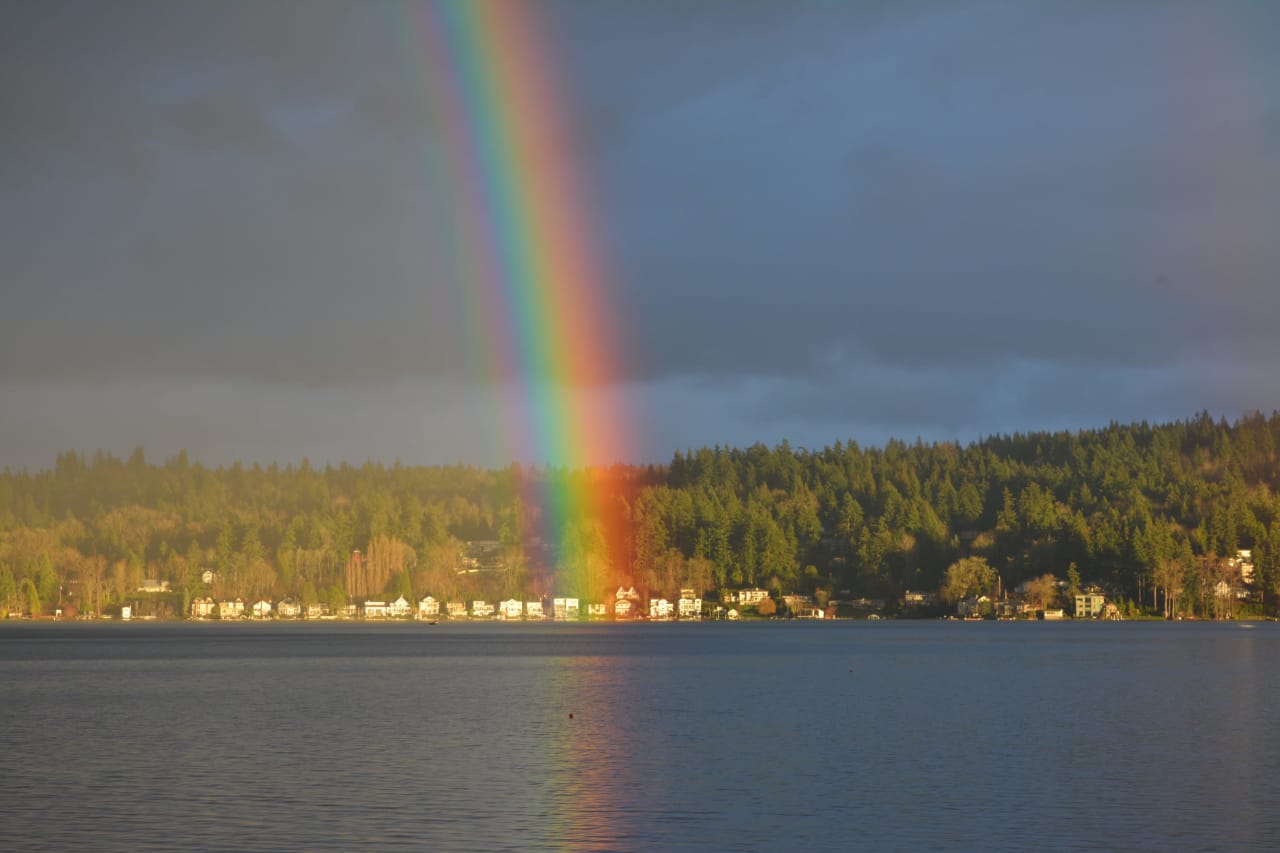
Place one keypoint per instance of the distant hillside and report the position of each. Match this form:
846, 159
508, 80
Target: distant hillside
1124, 503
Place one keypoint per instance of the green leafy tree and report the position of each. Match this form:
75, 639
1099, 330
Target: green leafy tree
8, 589
31, 597
968, 576
1073, 582
45, 578
335, 598
403, 586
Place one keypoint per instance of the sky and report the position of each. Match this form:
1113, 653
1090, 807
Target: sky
815, 222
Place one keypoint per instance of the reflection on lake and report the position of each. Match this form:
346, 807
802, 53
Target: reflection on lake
810, 736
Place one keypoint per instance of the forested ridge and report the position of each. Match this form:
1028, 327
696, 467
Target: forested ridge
1136, 508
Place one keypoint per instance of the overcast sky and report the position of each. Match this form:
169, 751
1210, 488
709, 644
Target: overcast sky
817, 222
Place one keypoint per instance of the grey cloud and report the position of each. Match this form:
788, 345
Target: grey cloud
223, 119
1036, 215
889, 218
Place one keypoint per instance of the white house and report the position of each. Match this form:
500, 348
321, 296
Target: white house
316, 611
428, 608
565, 608
288, 608
481, 610
752, 597
230, 609
597, 611
202, 608
1089, 605
689, 608
261, 609
624, 608
399, 609
456, 610
153, 585
533, 610
660, 609
510, 609
376, 610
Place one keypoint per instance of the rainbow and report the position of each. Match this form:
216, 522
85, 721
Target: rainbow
531, 283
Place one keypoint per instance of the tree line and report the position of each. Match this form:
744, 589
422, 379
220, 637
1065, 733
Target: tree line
1150, 512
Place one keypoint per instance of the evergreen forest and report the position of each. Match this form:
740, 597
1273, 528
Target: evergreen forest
1150, 513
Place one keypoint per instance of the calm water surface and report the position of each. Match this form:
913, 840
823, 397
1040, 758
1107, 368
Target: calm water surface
768, 736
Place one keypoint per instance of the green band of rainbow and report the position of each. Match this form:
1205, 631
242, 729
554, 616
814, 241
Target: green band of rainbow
532, 282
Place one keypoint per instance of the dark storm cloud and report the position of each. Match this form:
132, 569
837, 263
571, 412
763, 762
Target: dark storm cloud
893, 219
974, 194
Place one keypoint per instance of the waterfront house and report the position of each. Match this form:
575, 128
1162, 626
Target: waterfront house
628, 594
1090, 604
733, 615
510, 609
428, 608
564, 609
623, 608
456, 610
917, 599
261, 609
376, 610
533, 610
689, 608
1055, 615
349, 611
316, 611
481, 610
796, 603
660, 609
399, 609
752, 597
599, 610
230, 609
288, 608
973, 606
202, 608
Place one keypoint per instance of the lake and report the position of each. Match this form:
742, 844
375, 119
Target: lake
714, 736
